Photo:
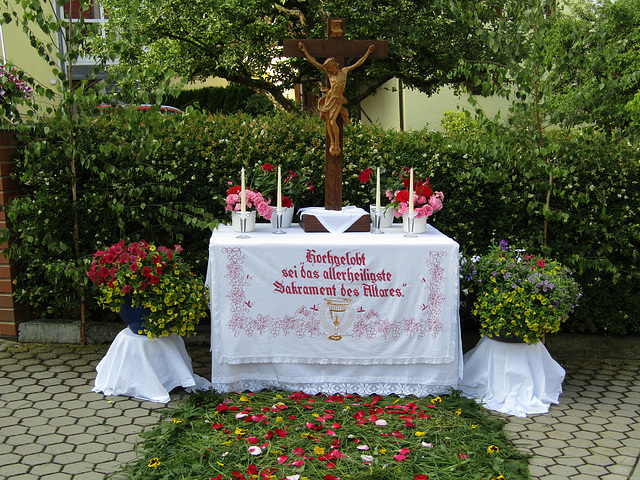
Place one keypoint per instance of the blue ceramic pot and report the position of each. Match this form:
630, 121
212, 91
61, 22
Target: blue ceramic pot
133, 316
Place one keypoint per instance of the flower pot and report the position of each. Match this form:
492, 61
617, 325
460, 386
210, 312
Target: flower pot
387, 216
132, 316
287, 217
419, 225
251, 221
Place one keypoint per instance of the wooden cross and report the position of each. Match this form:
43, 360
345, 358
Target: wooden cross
338, 48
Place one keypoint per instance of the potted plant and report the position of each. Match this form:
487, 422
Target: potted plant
255, 205
165, 294
518, 296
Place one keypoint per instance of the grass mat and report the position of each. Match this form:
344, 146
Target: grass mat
281, 435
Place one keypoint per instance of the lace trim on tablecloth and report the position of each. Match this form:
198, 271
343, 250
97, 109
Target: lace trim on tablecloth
331, 388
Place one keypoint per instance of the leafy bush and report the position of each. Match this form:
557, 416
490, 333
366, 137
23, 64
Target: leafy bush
163, 179
225, 100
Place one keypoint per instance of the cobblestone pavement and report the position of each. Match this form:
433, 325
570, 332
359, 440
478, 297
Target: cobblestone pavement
53, 427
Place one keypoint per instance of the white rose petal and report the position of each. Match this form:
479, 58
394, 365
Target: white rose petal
363, 447
366, 458
381, 423
427, 445
255, 451
293, 477
241, 415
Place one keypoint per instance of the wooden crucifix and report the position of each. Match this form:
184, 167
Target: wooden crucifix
335, 49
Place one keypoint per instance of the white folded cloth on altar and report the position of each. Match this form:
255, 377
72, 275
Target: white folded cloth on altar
518, 379
148, 369
335, 221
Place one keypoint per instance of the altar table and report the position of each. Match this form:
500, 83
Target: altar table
325, 313
148, 369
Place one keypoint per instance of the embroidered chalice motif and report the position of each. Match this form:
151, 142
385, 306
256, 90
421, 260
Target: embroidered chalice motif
337, 316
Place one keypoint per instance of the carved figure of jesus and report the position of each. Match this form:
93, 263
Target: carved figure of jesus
331, 105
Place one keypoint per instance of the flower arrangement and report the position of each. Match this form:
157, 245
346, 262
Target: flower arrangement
293, 183
154, 278
253, 199
518, 295
296, 436
12, 87
426, 201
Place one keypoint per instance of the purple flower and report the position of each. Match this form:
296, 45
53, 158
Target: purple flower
504, 245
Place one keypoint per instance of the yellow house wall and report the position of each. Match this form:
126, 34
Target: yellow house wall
420, 111
19, 51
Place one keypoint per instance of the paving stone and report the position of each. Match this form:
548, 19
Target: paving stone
562, 470
595, 470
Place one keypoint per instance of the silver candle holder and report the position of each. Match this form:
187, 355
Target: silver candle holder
279, 213
243, 217
376, 220
411, 223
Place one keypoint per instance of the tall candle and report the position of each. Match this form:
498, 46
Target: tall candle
411, 191
279, 203
243, 193
378, 190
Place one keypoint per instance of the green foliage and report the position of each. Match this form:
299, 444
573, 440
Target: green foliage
164, 179
224, 100
457, 123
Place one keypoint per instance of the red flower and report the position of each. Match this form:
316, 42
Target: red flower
540, 263
424, 191
402, 196
420, 477
268, 167
310, 186
365, 175
234, 190
146, 272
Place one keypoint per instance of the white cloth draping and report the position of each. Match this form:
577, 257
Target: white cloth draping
514, 378
353, 313
335, 221
148, 369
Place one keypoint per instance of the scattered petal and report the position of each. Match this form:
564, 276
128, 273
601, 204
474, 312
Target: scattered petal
381, 423
297, 463
399, 458
281, 459
255, 451
363, 447
366, 458
318, 450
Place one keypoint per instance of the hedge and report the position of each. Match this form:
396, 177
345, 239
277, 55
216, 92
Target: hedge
164, 179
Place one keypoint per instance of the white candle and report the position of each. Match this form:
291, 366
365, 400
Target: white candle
243, 193
378, 190
279, 203
411, 191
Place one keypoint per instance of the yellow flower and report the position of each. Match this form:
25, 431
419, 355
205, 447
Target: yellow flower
318, 450
492, 449
240, 431
177, 420
383, 451
436, 400
419, 434
154, 462
458, 411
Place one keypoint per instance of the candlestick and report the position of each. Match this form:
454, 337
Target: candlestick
378, 190
411, 191
279, 202
243, 193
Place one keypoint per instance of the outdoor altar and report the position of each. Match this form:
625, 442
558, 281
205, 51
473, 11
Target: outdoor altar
353, 313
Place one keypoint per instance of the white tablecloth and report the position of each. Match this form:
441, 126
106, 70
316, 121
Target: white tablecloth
137, 366
351, 313
513, 378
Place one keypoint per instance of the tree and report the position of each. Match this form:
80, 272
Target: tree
240, 41
609, 79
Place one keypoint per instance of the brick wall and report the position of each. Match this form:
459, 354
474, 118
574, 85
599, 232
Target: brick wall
10, 314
